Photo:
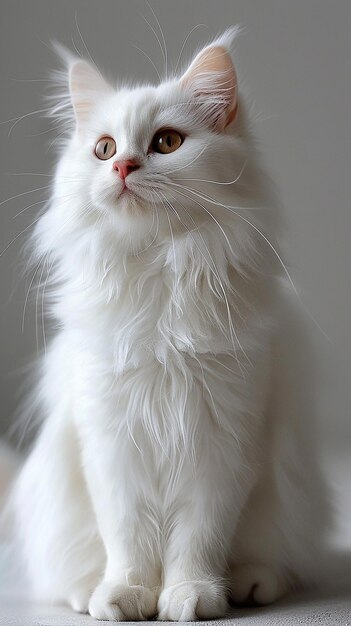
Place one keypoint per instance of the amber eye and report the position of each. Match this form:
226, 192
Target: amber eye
166, 141
105, 148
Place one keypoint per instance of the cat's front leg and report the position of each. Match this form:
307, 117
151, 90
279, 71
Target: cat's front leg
193, 576
202, 530
127, 517
128, 590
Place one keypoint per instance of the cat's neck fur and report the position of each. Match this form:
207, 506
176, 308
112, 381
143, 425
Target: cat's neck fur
138, 305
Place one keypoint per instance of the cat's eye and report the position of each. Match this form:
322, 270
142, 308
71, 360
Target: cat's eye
105, 148
166, 141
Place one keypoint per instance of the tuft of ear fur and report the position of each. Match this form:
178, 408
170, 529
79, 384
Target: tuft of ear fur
212, 80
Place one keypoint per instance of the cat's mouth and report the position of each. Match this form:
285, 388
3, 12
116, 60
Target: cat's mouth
136, 193
128, 191
125, 191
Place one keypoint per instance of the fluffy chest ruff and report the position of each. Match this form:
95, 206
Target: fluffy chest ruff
173, 356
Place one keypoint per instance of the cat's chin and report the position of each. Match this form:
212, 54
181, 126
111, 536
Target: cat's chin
128, 193
133, 206
127, 203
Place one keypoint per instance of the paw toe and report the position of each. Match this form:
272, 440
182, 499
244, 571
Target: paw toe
122, 603
190, 601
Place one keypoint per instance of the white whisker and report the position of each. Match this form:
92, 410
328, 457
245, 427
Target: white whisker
19, 235
151, 61
83, 42
28, 174
28, 207
29, 80
217, 182
177, 169
157, 37
203, 196
162, 35
56, 139
27, 294
19, 195
76, 47
185, 42
21, 117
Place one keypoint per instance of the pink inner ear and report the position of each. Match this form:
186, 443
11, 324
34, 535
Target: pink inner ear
214, 69
86, 87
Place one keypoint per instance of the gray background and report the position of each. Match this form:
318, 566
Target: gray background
293, 57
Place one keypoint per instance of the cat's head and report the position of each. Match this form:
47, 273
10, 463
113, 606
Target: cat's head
153, 154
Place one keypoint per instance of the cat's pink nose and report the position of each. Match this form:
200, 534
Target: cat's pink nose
125, 167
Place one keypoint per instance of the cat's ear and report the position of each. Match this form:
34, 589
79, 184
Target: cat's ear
86, 87
212, 81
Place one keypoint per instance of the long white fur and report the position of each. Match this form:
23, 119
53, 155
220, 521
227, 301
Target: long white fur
162, 476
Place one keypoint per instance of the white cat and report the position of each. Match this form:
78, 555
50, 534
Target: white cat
165, 474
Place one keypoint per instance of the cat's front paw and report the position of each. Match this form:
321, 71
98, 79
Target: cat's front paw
256, 584
192, 600
122, 602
